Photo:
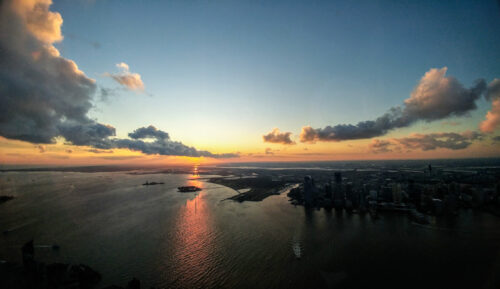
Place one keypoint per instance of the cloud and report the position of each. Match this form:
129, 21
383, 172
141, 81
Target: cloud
426, 142
129, 80
270, 151
380, 146
41, 148
162, 145
275, 136
44, 96
69, 151
98, 151
436, 96
42, 93
452, 141
148, 132
492, 121
90, 134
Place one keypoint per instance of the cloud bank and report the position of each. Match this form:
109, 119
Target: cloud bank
44, 96
426, 142
275, 136
127, 79
161, 144
436, 97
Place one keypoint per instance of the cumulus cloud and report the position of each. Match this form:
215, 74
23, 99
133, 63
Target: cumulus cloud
42, 93
129, 80
44, 96
426, 142
275, 136
436, 96
492, 120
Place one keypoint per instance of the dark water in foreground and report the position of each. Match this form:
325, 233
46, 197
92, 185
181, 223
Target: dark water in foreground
112, 223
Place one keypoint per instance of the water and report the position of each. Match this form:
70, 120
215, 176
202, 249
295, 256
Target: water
122, 229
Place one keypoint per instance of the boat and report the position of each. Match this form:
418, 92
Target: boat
188, 189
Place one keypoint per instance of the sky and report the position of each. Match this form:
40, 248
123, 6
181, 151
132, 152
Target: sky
108, 81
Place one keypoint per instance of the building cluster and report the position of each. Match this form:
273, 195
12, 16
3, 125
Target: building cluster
432, 192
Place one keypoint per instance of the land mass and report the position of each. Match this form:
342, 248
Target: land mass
259, 188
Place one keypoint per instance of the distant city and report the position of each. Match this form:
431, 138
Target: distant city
416, 188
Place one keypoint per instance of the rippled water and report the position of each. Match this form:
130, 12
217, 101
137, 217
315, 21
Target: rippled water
200, 240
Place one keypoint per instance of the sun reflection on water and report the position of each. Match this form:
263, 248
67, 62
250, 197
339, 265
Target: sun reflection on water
194, 242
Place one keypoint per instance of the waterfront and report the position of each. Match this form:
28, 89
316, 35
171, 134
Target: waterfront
112, 223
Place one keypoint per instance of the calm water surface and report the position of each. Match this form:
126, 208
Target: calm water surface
112, 223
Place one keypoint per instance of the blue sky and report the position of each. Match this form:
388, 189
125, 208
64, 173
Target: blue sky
223, 70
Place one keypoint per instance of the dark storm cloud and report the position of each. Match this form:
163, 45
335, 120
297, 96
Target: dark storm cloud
127, 79
44, 96
437, 96
275, 136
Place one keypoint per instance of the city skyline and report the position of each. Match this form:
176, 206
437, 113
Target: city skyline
98, 82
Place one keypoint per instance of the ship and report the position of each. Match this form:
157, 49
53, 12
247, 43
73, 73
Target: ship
188, 189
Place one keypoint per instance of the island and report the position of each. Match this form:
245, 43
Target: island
188, 189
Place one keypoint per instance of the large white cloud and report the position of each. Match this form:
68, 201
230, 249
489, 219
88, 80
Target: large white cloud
275, 136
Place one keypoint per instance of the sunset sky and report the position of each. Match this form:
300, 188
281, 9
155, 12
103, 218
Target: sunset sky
160, 82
